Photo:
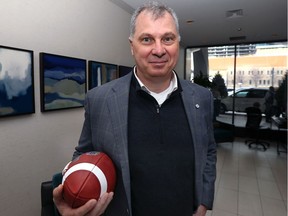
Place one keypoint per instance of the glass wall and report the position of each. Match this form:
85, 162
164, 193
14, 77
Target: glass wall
247, 71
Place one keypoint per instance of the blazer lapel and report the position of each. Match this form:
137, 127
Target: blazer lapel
193, 108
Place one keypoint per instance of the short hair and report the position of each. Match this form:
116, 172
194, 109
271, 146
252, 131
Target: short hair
157, 10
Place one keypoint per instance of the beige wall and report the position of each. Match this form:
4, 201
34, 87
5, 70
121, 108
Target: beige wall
34, 147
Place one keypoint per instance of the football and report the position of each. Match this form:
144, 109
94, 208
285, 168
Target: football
88, 177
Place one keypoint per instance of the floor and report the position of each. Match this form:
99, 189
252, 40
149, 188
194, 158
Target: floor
250, 182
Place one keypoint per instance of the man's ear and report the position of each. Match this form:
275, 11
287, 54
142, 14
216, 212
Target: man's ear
131, 46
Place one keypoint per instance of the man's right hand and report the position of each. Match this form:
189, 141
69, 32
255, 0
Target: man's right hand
91, 208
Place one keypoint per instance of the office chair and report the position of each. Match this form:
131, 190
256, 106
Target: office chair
47, 204
253, 127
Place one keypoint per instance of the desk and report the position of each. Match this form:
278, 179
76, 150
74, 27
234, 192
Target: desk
281, 124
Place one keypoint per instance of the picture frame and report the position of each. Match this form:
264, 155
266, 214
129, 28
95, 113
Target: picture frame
100, 73
16, 81
62, 82
124, 70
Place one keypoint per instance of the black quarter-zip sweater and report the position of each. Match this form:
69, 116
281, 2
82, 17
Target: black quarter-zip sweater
161, 155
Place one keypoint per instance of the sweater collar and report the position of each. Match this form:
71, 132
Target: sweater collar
173, 88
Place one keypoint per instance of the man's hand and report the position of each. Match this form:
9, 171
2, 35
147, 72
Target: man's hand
201, 211
91, 208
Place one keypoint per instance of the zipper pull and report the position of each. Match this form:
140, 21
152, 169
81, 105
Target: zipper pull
157, 108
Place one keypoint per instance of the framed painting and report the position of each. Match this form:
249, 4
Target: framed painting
62, 82
123, 70
100, 73
16, 81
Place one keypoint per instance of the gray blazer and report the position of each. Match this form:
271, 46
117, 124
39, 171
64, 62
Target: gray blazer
105, 129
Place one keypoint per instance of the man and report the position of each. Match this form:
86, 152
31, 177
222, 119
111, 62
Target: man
156, 128
269, 101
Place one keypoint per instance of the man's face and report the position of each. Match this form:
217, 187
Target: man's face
155, 46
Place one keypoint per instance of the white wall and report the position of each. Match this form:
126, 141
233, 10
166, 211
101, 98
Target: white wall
34, 147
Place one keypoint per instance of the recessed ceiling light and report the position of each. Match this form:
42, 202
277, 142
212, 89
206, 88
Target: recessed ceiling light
234, 13
274, 35
189, 21
237, 38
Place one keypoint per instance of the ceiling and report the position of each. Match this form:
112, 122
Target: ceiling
223, 22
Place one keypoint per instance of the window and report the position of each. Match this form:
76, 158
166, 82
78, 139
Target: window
264, 65
257, 93
241, 94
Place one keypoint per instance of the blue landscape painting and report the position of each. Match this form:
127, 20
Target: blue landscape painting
100, 73
63, 82
16, 82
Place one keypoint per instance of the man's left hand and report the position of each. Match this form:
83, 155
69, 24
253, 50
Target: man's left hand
201, 211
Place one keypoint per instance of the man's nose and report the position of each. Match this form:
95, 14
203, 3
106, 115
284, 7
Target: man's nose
158, 49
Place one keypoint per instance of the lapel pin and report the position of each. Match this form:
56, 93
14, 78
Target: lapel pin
197, 106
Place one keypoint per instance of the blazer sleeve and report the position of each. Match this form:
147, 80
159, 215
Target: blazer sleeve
85, 140
209, 171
